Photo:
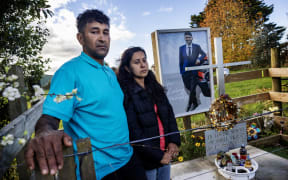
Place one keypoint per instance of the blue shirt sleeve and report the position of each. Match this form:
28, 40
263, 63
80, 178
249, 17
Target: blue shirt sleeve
63, 82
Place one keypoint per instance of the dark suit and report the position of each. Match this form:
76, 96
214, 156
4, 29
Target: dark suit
191, 78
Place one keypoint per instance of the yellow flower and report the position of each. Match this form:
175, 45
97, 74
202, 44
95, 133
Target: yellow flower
203, 144
275, 108
197, 144
180, 158
201, 137
192, 136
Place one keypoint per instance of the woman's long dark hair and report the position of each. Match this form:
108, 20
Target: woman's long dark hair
127, 81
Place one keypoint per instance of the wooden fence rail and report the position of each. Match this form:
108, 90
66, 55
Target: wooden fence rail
23, 123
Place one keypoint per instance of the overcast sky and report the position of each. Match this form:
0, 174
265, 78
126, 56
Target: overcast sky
132, 22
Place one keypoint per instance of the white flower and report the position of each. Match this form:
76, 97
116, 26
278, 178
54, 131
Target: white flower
2, 84
69, 95
2, 76
275, 108
38, 90
9, 139
11, 93
21, 141
16, 84
74, 91
59, 98
12, 78
78, 98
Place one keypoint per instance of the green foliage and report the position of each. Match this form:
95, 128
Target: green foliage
268, 38
192, 146
253, 43
23, 35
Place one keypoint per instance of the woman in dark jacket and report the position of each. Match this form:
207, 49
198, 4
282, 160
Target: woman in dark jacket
149, 114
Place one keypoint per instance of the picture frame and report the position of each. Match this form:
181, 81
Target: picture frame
178, 72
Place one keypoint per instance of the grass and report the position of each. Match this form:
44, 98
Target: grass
280, 149
239, 89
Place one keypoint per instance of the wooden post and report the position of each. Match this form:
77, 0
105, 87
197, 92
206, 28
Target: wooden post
68, 171
87, 169
187, 122
276, 81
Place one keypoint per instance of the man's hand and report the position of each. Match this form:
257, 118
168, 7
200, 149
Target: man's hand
47, 148
173, 149
166, 158
197, 61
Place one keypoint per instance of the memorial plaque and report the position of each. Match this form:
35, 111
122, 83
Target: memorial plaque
225, 140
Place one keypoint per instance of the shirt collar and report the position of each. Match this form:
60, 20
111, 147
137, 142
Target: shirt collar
91, 61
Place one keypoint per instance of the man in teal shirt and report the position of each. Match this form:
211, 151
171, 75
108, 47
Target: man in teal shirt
95, 110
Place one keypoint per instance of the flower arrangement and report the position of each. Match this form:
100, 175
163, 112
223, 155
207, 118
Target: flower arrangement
252, 131
223, 113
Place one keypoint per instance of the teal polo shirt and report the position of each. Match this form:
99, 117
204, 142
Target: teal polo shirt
100, 114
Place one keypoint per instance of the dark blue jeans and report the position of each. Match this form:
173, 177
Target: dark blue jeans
161, 173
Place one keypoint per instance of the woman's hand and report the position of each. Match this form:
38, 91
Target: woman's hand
173, 150
166, 158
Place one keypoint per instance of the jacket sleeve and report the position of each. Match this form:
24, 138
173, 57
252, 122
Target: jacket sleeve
175, 138
136, 133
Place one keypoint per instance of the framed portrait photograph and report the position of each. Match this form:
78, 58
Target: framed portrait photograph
182, 59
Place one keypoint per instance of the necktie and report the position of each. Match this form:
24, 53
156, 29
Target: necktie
190, 52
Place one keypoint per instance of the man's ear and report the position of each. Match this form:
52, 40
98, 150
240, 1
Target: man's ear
80, 38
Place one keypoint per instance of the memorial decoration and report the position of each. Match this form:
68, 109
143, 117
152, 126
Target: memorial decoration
223, 113
252, 131
236, 166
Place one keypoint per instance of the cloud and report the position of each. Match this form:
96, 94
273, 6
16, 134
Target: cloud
165, 9
146, 13
57, 4
62, 43
118, 28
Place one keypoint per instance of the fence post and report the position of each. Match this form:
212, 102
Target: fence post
276, 81
187, 122
87, 169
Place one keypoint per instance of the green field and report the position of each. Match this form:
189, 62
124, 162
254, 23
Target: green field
239, 89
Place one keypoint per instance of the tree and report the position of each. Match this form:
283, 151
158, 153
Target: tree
268, 38
23, 35
229, 20
237, 22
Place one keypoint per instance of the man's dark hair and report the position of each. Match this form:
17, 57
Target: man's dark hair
187, 33
89, 16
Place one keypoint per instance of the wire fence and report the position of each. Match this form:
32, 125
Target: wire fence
239, 120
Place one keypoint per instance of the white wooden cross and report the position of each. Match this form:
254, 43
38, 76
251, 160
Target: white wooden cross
219, 65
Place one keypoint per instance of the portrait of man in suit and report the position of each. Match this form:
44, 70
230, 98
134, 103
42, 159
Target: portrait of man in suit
191, 55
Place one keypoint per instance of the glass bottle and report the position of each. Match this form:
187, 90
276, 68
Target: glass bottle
248, 163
